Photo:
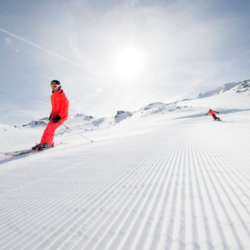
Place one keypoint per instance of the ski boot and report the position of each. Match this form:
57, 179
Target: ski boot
40, 146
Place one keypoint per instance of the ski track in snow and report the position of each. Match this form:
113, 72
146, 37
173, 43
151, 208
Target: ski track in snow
175, 188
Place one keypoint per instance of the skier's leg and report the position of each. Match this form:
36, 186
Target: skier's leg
49, 132
214, 116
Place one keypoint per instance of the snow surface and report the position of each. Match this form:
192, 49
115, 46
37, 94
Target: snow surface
166, 177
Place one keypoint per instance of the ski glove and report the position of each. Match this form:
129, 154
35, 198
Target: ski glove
56, 119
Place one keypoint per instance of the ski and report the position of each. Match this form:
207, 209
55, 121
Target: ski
6, 154
17, 153
20, 152
25, 151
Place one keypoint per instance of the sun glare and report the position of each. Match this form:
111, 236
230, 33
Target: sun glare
129, 61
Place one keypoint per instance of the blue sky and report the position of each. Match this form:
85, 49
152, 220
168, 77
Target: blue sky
112, 55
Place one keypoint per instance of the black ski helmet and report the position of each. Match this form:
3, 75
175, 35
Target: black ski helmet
57, 83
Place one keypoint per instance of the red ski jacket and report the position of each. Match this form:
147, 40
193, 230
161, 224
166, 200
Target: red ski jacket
212, 112
60, 105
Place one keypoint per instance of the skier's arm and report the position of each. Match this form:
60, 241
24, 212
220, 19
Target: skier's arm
64, 108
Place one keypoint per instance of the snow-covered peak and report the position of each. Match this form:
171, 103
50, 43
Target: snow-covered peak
160, 108
154, 105
39, 123
224, 88
83, 117
242, 87
235, 87
121, 115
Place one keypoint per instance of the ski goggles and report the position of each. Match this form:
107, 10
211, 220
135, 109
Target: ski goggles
54, 86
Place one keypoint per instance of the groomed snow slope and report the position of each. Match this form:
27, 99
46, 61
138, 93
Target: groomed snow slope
156, 183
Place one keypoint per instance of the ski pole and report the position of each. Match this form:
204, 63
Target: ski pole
76, 132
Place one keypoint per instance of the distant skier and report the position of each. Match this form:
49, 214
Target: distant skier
58, 115
213, 113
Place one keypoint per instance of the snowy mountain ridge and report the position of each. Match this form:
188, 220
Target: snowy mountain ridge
242, 87
235, 86
157, 108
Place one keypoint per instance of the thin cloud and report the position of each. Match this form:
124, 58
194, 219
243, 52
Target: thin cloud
132, 3
40, 48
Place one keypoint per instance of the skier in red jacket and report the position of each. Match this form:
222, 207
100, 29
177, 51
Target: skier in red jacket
58, 115
212, 112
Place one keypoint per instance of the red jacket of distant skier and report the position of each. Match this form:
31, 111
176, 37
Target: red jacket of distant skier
212, 112
60, 105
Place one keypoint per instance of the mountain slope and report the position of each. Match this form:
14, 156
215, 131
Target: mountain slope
181, 184
165, 177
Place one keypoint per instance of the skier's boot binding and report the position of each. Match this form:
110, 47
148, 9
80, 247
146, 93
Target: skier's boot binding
40, 146
36, 147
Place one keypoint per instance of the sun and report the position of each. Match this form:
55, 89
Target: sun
129, 61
